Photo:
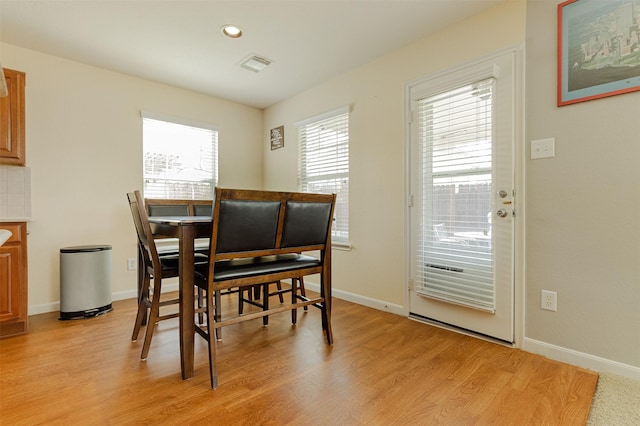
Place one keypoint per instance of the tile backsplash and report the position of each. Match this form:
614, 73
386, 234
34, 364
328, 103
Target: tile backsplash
15, 192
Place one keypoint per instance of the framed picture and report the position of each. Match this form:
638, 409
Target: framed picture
598, 49
277, 138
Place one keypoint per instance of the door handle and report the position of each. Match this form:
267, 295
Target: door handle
502, 213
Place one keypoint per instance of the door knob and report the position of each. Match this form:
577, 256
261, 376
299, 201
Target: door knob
502, 213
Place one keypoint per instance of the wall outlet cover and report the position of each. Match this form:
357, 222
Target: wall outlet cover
543, 148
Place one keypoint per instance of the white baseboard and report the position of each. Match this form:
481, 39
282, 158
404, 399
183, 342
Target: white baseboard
121, 295
43, 309
360, 300
581, 359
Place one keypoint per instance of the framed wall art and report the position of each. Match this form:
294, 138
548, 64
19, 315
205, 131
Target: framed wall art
277, 138
598, 49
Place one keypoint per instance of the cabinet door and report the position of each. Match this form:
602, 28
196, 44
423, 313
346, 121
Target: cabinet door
10, 278
13, 281
12, 141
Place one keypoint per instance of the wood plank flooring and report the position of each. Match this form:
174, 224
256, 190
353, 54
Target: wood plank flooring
383, 369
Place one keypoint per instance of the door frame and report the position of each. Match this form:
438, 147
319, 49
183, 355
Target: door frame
519, 182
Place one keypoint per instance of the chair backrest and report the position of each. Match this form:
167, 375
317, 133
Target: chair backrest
167, 207
143, 229
306, 223
248, 223
202, 209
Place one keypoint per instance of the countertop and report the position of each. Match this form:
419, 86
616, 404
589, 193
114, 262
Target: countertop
15, 219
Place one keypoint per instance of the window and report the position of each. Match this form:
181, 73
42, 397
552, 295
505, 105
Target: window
180, 158
323, 164
455, 129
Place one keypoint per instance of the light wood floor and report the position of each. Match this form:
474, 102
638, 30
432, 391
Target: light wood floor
382, 370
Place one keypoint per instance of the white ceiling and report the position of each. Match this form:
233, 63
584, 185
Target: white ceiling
178, 42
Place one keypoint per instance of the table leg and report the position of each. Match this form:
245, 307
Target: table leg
185, 289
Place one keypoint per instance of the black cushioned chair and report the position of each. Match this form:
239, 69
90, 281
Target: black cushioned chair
154, 266
257, 238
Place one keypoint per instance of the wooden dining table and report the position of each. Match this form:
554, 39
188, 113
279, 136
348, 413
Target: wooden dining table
186, 229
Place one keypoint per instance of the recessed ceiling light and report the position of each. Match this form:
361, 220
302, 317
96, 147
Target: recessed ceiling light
231, 31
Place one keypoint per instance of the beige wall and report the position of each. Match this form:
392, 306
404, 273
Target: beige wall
84, 147
583, 210
582, 236
375, 268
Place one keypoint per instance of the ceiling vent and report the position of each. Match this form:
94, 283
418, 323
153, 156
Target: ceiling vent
255, 63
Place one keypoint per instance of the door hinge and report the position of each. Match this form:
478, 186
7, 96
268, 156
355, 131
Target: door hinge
411, 284
410, 203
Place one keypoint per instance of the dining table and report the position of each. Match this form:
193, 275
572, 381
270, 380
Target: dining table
186, 229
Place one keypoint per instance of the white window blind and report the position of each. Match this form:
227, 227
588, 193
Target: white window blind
180, 158
323, 163
455, 261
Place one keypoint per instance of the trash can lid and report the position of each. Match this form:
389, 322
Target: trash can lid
82, 249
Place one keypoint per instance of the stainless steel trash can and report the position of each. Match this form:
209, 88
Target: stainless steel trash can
85, 281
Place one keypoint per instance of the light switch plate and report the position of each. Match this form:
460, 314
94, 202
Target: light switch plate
543, 148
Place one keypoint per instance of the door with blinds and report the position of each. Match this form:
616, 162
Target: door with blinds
462, 197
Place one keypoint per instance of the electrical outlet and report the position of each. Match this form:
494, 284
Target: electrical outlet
549, 300
131, 264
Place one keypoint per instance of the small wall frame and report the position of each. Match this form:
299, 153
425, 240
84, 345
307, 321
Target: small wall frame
277, 138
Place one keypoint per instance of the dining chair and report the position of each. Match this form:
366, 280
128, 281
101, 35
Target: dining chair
154, 266
175, 207
255, 299
257, 238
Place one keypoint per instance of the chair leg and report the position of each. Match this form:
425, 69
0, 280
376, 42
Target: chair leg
153, 318
253, 293
303, 292
142, 274
218, 313
212, 332
326, 309
294, 299
142, 307
265, 303
241, 299
279, 287
200, 306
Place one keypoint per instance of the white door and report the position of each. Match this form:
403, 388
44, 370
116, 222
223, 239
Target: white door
462, 197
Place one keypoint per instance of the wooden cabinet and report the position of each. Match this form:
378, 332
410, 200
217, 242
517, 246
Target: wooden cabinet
13, 281
12, 147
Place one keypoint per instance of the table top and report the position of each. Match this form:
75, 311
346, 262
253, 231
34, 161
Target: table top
177, 220
170, 226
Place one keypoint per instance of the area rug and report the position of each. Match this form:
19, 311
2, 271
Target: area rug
616, 402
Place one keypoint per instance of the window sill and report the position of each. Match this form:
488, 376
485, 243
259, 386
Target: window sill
345, 246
